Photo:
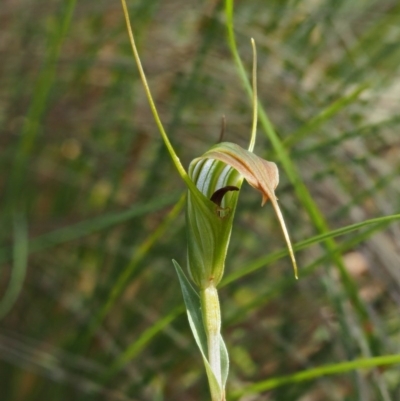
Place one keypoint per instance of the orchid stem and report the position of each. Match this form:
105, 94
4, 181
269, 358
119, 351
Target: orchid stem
212, 323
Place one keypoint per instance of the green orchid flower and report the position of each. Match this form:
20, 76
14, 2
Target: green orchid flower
218, 175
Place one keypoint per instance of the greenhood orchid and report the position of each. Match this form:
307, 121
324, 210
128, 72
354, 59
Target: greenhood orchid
214, 181
220, 171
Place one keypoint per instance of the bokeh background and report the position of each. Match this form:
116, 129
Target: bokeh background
91, 214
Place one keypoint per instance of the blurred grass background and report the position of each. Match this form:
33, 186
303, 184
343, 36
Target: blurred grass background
91, 214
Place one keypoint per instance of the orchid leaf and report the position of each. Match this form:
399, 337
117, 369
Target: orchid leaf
224, 362
193, 308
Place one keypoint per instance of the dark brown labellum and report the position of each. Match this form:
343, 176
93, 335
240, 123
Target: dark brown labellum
219, 194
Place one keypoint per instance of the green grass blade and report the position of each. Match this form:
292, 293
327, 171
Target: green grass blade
310, 127
310, 374
88, 227
233, 47
37, 107
20, 262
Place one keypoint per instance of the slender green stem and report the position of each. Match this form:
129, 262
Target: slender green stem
174, 156
212, 323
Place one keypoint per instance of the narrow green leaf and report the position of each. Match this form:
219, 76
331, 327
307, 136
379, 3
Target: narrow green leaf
193, 308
